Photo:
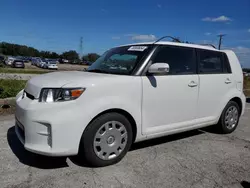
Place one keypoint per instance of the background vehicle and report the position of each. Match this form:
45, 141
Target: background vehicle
131, 93
62, 61
87, 63
42, 63
50, 64
33, 61
2, 58
38, 61
9, 60
18, 63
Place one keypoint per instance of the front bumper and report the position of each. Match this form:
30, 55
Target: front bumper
48, 129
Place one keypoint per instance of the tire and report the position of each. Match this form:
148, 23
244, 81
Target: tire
228, 122
91, 146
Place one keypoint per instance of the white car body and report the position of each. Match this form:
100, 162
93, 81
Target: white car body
38, 62
49, 65
42, 63
159, 106
9, 60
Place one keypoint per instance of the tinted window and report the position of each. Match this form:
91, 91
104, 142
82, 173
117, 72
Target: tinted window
210, 62
226, 67
181, 60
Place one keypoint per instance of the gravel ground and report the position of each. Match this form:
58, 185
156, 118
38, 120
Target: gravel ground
61, 67
199, 158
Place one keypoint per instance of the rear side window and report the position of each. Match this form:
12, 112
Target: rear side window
181, 60
210, 62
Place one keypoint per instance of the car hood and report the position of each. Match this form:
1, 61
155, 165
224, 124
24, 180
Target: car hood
60, 79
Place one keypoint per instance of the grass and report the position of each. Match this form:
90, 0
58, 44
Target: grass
11, 87
247, 86
22, 71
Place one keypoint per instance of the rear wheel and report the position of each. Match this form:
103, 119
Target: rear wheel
229, 118
106, 140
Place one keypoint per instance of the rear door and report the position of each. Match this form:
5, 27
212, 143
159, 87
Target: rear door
216, 81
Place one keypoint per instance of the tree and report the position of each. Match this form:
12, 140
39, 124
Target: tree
22, 50
70, 55
92, 57
17, 50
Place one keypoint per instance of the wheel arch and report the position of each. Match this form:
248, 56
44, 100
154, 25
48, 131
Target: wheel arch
120, 111
239, 102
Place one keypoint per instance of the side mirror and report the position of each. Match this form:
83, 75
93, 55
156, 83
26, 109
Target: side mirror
159, 68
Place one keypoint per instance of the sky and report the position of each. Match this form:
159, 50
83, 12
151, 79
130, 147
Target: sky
55, 25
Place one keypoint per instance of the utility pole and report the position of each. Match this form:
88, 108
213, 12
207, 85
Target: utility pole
220, 40
81, 48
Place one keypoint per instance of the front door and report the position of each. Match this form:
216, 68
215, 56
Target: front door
169, 101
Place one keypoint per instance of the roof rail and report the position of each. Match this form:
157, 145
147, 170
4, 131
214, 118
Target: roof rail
208, 45
177, 40
173, 38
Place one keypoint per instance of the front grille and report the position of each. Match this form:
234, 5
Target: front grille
29, 96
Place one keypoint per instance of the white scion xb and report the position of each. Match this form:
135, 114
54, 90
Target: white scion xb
131, 93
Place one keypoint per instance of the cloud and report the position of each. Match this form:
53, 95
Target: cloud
241, 50
130, 35
116, 38
207, 33
218, 19
144, 38
159, 5
244, 40
243, 54
248, 30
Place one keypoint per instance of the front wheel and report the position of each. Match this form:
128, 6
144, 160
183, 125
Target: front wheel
106, 140
229, 118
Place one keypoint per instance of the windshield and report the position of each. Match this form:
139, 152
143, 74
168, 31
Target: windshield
120, 60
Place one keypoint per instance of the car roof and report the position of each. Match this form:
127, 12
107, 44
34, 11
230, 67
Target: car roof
199, 46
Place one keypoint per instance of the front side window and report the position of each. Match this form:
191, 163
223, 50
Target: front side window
210, 62
181, 60
120, 60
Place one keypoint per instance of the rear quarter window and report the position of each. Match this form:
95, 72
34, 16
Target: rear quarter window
213, 62
210, 62
226, 64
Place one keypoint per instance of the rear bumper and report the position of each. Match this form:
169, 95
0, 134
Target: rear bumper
19, 66
50, 67
243, 99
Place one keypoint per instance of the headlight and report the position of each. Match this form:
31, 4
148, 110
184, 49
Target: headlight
60, 94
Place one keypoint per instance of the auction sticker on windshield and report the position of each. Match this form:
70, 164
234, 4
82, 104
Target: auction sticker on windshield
137, 48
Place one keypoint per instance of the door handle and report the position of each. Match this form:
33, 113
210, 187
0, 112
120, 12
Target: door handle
228, 81
192, 84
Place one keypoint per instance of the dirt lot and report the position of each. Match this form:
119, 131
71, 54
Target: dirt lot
61, 67
200, 158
